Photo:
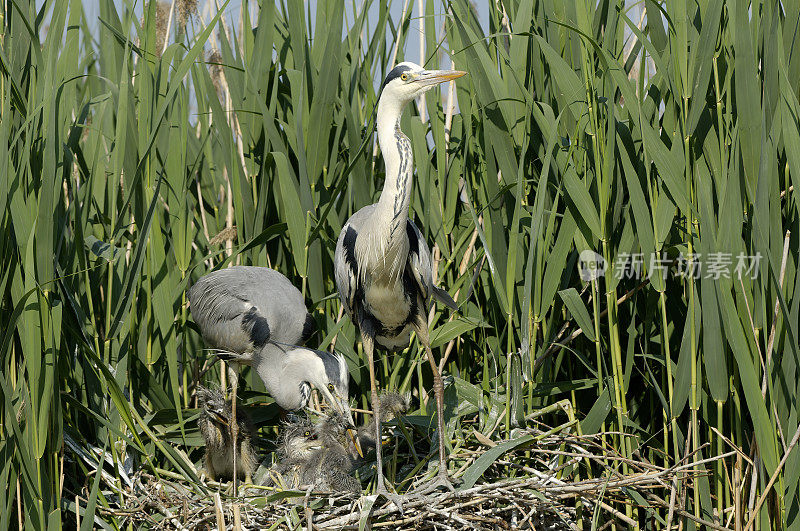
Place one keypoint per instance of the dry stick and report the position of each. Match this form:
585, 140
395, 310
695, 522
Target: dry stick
504, 22
600, 458
789, 190
229, 195
229, 219
756, 460
752, 325
730, 443
452, 514
737, 494
218, 511
676, 481
771, 340
729, 484
686, 514
448, 121
448, 113
772, 480
753, 481
421, 100
555, 347
168, 514
210, 261
237, 517
169, 26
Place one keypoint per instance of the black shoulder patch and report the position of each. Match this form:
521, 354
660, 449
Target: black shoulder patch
394, 74
350, 249
255, 325
309, 327
413, 242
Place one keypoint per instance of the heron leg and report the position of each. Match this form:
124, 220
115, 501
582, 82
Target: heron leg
367, 339
233, 376
369, 346
442, 478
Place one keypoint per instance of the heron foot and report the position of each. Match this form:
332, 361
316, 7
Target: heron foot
442, 479
397, 499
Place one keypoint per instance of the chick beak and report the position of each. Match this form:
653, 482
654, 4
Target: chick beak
219, 417
351, 432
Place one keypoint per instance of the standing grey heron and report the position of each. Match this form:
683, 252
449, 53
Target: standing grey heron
383, 265
256, 317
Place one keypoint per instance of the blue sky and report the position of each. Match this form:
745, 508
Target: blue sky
233, 11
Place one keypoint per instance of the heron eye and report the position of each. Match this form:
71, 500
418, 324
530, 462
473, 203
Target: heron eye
404, 77
307, 433
330, 387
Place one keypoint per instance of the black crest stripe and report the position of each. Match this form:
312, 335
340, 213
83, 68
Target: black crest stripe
394, 74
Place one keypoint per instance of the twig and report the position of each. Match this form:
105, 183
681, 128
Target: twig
771, 340
218, 511
169, 27
730, 443
772, 480
686, 514
555, 347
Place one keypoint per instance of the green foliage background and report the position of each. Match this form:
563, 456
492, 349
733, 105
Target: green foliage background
578, 129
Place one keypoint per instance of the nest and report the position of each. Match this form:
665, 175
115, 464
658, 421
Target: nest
537, 480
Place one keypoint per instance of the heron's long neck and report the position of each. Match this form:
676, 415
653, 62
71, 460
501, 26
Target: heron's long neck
281, 376
396, 148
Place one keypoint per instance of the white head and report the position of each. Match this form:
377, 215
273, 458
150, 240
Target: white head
327, 372
408, 80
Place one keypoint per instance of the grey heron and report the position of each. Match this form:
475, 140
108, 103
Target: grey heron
214, 423
256, 317
382, 263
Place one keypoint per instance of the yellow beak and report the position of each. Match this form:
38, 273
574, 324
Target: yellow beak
434, 77
354, 438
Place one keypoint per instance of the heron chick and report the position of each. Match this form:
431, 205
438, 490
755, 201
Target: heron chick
390, 406
322, 454
214, 424
310, 456
331, 430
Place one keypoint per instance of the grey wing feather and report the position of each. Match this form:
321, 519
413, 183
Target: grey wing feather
419, 261
241, 308
345, 280
345, 260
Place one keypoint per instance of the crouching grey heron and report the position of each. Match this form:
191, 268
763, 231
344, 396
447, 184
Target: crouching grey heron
256, 317
382, 263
